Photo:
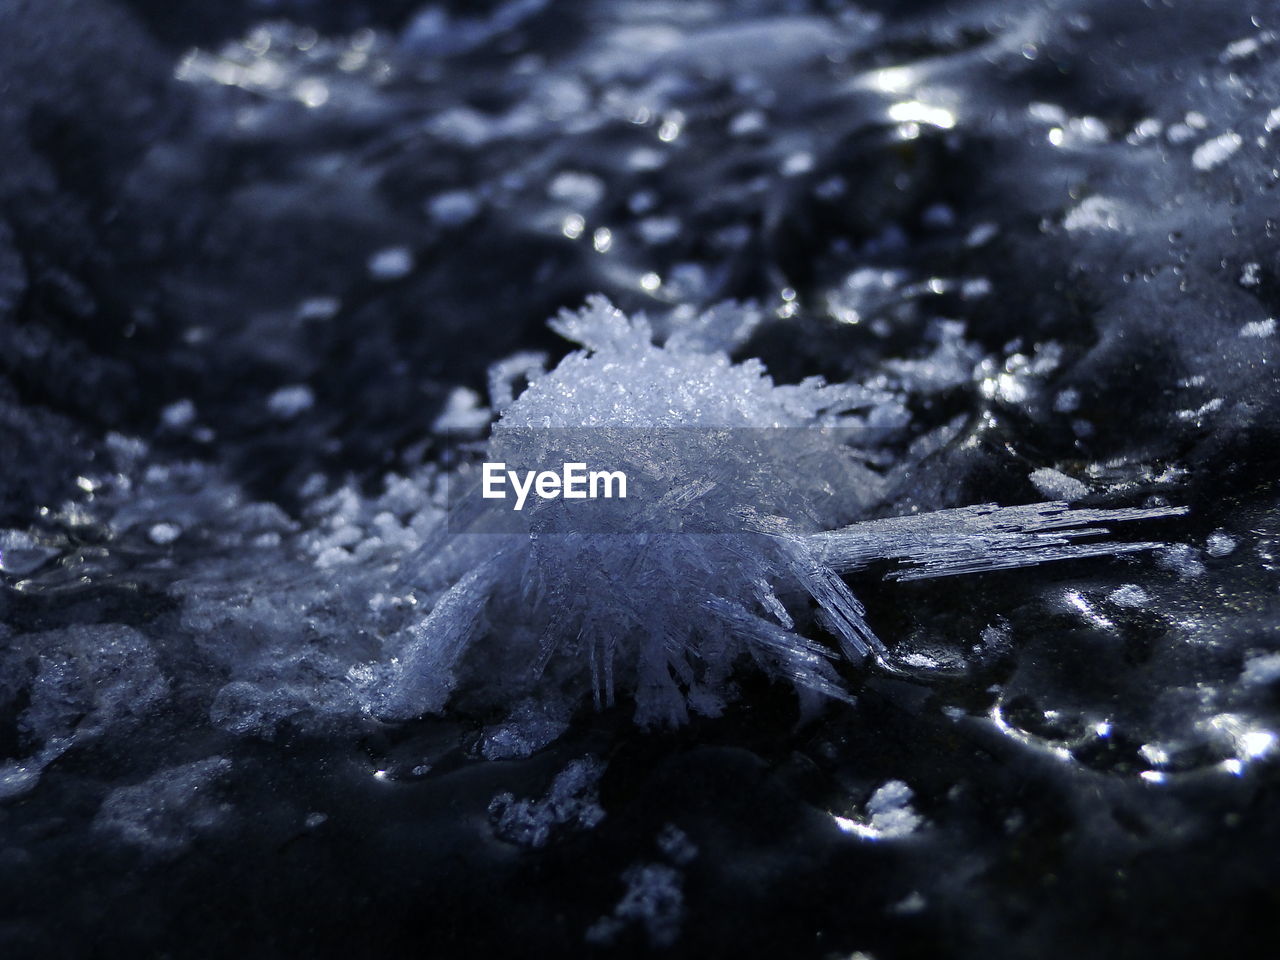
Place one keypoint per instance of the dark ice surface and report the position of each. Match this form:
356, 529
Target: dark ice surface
249, 252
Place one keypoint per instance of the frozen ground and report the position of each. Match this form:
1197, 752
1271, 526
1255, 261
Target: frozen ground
271, 271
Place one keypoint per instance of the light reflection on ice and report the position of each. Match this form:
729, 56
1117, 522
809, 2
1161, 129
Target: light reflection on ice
913, 111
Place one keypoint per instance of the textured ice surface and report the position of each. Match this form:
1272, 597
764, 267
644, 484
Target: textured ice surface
73, 686
166, 813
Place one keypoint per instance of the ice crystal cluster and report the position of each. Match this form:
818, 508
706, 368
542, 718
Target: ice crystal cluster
768, 484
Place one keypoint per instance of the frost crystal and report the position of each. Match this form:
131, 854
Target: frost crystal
654, 899
571, 802
766, 528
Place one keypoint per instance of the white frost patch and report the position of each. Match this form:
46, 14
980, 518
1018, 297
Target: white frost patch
163, 815
654, 899
463, 413
797, 163
288, 402
1261, 670
1212, 406
1246, 46
1095, 213
570, 803
889, 814
178, 415
1130, 595
163, 534
1180, 559
1219, 544
391, 263
1259, 328
1057, 485
1213, 152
